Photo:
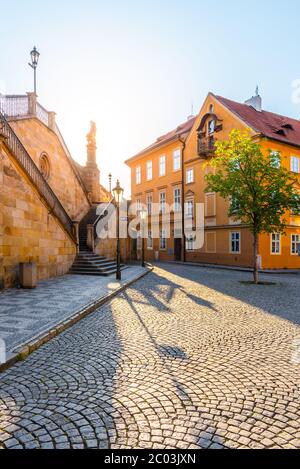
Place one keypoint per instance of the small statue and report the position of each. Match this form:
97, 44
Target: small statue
91, 136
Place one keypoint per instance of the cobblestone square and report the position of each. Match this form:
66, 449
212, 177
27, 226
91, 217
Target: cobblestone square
185, 358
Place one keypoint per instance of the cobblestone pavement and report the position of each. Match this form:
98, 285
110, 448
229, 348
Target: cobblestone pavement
27, 313
185, 358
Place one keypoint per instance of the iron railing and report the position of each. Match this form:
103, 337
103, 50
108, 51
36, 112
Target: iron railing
42, 114
206, 145
33, 173
14, 105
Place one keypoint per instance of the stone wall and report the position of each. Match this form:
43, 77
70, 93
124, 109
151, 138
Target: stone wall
40, 140
108, 248
27, 232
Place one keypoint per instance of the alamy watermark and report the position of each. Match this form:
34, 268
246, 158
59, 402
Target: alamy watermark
296, 351
161, 219
2, 351
296, 91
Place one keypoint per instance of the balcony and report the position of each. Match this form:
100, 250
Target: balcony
206, 146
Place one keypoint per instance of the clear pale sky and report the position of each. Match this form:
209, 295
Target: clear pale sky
135, 67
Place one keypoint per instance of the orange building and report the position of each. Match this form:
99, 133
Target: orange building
172, 171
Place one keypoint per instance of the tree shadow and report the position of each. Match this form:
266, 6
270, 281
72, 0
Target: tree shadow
280, 299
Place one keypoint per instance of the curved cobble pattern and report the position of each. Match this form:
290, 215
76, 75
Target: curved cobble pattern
185, 358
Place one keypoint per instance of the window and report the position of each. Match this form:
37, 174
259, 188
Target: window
149, 240
210, 204
162, 202
138, 206
189, 209
45, 166
149, 170
211, 109
190, 242
189, 176
177, 200
275, 159
211, 127
138, 175
295, 167
275, 243
176, 160
295, 243
139, 241
235, 242
296, 209
162, 239
162, 165
234, 204
149, 204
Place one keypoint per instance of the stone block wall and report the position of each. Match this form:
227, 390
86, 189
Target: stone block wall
40, 140
27, 232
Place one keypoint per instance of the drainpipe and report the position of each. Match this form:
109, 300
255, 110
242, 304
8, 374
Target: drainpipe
183, 253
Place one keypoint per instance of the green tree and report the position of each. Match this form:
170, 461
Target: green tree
260, 188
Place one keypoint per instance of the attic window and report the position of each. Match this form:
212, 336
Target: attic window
280, 132
288, 126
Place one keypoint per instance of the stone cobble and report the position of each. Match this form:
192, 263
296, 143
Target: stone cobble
185, 358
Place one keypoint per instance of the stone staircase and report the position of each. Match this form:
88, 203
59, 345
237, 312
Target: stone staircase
86, 262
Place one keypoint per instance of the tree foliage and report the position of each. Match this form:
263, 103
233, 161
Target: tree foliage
260, 189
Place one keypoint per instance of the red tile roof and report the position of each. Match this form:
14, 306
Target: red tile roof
181, 131
274, 126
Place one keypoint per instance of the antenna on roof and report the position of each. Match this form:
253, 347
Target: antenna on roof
257, 91
191, 116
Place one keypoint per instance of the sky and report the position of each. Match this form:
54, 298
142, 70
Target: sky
137, 67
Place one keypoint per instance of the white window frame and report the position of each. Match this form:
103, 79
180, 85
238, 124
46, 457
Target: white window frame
177, 199
162, 202
295, 164
176, 160
149, 201
149, 240
162, 165
189, 205
138, 206
190, 243
275, 240
294, 244
163, 236
235, 240
138, 175
189, 171
149, 170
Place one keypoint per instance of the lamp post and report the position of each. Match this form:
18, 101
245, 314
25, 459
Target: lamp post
143, 215
118, 194
34, 54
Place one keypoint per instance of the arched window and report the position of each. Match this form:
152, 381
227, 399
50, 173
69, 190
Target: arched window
45, 165
211, 109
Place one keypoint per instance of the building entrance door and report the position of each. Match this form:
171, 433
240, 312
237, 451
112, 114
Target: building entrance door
177, 249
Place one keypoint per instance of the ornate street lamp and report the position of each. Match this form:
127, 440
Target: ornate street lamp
118, 195
35, 55
143, 215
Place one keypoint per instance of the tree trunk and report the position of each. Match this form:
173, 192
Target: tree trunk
255, 253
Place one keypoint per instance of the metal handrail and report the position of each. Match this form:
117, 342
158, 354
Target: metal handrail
25, 161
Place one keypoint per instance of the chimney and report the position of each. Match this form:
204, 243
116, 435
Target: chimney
255, 101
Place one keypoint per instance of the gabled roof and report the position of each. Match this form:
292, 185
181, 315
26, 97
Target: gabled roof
274, 126
181, 131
